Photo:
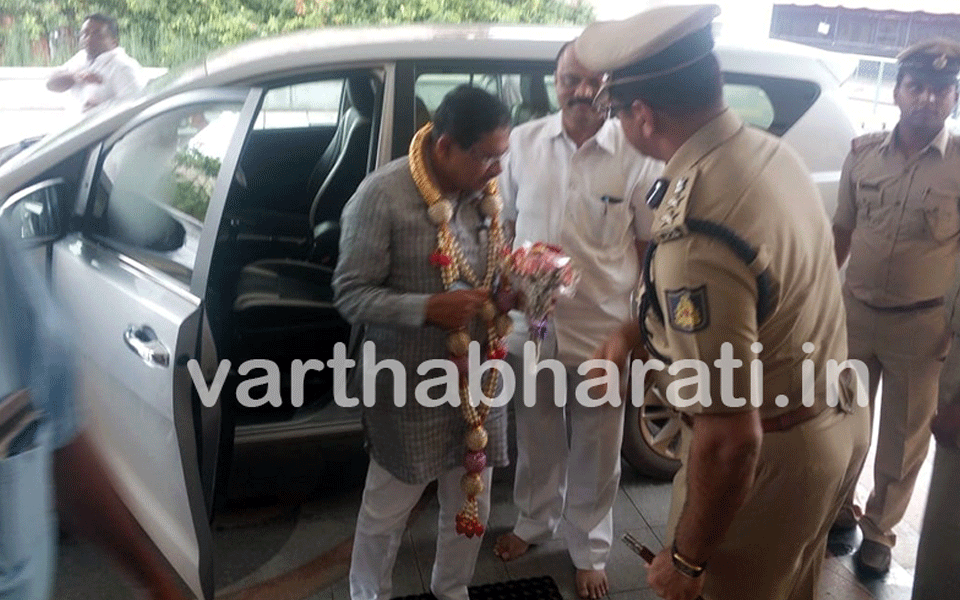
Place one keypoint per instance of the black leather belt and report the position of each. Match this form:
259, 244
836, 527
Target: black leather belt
932, 303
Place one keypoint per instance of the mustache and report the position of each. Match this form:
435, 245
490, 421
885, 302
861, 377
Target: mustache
579, 100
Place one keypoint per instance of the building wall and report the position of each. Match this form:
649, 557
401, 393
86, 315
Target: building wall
860, 31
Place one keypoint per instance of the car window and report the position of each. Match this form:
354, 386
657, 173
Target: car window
311, 104
528, 95
771, 103
154, 188
750, 102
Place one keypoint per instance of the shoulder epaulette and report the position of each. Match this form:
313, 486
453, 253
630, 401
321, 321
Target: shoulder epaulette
870, 139
669, 218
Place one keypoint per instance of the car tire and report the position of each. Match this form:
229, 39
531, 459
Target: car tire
651, 437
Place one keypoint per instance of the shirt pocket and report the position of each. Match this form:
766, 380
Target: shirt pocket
871, 211
604, 220
25, 520
942, 212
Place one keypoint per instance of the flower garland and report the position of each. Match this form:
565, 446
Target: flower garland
449, 258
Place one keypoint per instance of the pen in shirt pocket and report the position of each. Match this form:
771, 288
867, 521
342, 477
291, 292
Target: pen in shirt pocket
607, 201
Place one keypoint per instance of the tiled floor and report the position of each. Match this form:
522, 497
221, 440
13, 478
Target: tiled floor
641, 508
297, 547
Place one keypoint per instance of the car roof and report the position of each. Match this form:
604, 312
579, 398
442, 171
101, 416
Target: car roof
299, 52
309, 49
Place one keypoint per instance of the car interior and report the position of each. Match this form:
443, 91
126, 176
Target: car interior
283, 223
274, 268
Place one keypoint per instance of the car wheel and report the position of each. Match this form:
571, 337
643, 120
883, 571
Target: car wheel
651, 437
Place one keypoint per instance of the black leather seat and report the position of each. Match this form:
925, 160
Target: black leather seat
295, 291
343, 164
536, 101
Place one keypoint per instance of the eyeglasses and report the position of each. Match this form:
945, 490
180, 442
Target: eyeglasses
486, 161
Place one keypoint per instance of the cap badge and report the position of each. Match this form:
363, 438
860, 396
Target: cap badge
940, 62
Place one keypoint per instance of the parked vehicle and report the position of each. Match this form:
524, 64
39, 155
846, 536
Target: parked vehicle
200, 222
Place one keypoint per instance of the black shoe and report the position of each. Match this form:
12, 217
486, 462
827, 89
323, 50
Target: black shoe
873, 558
846, 520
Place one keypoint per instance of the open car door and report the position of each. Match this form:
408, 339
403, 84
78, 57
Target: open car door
132, 282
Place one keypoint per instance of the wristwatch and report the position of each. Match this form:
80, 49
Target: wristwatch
685, 565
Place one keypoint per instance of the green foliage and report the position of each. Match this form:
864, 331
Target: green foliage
194, 174
167, 32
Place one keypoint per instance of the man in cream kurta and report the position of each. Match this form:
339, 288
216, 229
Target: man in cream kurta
571, 179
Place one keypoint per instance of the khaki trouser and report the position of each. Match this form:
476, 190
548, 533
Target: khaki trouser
775, 547
906, 350
938, 557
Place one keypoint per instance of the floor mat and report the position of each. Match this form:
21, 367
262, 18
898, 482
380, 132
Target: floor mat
533, 588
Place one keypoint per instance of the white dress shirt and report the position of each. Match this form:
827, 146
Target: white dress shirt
591, 202
122, 76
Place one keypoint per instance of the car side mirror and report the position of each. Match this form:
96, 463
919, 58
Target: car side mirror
36, 212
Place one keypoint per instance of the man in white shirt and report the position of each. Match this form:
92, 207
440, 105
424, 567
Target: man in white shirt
571, 179
101, 72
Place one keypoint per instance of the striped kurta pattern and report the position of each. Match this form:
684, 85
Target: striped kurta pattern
382, 283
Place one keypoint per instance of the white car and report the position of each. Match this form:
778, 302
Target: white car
199, 224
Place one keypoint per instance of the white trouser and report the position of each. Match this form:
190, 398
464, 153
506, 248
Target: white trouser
566, 485
386, 504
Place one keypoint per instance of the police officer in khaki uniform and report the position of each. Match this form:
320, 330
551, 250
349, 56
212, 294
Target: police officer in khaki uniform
899, 221
938, 558
741, 268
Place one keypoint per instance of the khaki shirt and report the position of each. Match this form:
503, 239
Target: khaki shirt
905, 218
756, 186
952, 300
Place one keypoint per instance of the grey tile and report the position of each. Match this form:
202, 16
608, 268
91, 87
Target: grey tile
661, 532
490, 569
651, 498
338, 591
84, 571
625, 513
625, 569
410, 575
642, 594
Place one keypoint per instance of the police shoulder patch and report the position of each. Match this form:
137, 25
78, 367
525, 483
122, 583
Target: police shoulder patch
688, 310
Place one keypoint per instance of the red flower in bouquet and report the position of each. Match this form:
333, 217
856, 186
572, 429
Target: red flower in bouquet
541, 273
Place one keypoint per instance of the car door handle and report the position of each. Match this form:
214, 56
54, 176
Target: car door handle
144, 343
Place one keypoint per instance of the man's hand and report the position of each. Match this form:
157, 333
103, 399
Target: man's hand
620, 343
946, 425
841, 244
454, 310
87, 77
670, 583
616, 349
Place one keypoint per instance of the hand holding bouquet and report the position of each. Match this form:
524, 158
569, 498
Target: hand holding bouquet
540, 273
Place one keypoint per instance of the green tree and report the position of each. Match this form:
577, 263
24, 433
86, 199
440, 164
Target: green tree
166, 32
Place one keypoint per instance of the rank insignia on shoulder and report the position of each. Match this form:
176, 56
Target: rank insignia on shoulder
688, 309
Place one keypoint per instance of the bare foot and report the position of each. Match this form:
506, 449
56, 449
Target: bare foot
591, 585
509, 547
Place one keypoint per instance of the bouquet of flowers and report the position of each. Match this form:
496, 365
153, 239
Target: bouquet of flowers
540, 273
